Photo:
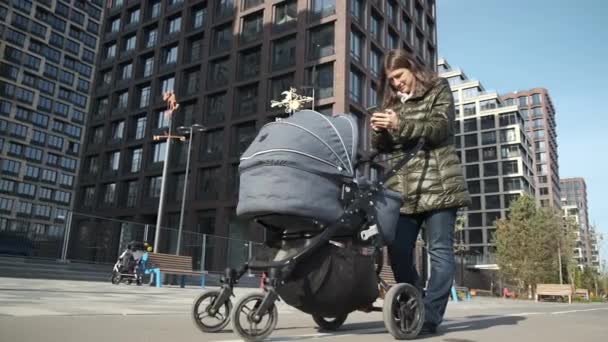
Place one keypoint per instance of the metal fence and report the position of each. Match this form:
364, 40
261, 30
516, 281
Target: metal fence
92, 239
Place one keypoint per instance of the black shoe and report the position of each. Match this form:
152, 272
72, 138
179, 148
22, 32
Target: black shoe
428, 329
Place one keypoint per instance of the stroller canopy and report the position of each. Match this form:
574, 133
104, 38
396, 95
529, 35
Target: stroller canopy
297, 166
309, 141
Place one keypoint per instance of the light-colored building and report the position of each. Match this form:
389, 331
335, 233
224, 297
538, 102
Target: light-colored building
572, 213
537, 109
496, 155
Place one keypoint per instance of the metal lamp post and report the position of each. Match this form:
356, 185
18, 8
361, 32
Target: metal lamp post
186, 130
172, 106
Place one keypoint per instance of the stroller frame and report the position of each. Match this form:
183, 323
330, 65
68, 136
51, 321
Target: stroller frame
360, 201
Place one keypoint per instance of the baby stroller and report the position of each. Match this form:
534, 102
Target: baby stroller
326, 226
128, 266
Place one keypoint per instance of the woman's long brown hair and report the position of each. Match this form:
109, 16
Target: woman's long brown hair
396, 59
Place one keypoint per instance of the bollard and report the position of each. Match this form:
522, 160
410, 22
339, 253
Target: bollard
263, 280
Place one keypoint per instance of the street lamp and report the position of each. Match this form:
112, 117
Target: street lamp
186, 130
172, 106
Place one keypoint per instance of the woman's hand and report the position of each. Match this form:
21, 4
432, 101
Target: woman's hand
386, 120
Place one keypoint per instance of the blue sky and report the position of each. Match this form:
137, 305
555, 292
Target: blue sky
561, 45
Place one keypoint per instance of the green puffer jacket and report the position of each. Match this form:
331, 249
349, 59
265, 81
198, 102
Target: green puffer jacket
433, 179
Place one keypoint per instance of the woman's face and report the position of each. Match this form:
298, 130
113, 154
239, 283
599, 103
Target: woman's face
402, 80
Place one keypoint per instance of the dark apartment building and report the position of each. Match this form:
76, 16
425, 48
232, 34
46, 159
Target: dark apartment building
225, 60
47, 57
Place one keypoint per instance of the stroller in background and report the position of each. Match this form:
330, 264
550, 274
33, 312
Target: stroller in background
326, 226
128, 267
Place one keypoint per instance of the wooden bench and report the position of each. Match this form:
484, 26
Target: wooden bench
582, 293
563, 290
160, 264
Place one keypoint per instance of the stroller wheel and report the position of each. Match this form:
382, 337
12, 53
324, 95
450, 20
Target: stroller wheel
252, 328
403, 311
331, 324
129, 281
116, 278
206, 321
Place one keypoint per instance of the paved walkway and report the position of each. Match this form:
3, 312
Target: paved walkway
43, 310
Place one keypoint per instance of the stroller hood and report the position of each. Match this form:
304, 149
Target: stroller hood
297, 166
309, 141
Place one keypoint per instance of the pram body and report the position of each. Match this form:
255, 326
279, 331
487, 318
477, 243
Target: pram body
128, 267
299, 180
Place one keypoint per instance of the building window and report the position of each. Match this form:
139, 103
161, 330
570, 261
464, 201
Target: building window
488, 138
213, 145
144, 97
284, 53
375, 61
470, 109
132, 193
523, 101
167, 85
224, 9
393, 40
118, 128
171, 55
356, 86
123, 101
216, 108
470, 125
151, 37
89, 197
285, 14
322, 80
490, 169
376, 27
249, 63
470, 92
491, 185
471, 156
162, 119
158, 153
252, 27
508, 135
218, 73
474, 220
511, 184
510, 167
470, 140
488, 122
109, 196
472, 171
192, 80
110, 51
509, 151
174, 25
148, 66
113, 161
130, 43
210, 183
222, 38
357, 10
247, 100
323, 8
242, 138
196, 48
126, 71
140, 127
136, 158
154, 184
356, 45
199, 17
134, 16
489, 153
493, 202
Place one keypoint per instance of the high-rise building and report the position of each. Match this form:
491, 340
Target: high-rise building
539, 114
225, 60
47, 57
574, 194
496, 156
573, 214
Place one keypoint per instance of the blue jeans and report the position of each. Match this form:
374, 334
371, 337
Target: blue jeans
439, 227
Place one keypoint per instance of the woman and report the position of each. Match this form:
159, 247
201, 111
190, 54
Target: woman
418, 104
